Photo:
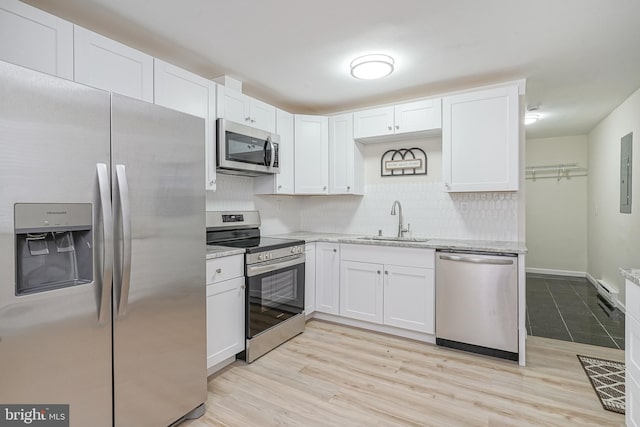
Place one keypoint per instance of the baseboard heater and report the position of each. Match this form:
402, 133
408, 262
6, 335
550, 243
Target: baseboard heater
607, 292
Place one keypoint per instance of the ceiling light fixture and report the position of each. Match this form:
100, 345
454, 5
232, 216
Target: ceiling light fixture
530, 118
370, 67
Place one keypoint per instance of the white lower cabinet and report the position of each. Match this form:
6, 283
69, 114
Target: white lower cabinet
632, 353
328, 278
310, 278
361, 291
389, 286
225, 309
409, 294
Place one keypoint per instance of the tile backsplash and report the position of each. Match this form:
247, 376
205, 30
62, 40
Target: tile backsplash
279, 214
430, 211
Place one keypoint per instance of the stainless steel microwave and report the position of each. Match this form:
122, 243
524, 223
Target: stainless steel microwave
243, 150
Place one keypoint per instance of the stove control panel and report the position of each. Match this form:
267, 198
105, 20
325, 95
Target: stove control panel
273, 254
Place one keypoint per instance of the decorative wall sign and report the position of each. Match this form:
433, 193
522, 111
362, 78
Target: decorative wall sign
404, 161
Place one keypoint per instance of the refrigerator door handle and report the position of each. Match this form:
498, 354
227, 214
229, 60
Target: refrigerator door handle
107, 254
125, 279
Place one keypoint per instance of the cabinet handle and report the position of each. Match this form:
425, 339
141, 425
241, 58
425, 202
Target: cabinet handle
378, 271
279, 187
246, 119
253, 120
348, 187
242, 287
397, 126
218, 270
389, 127
335, 250
324, 188
386, 272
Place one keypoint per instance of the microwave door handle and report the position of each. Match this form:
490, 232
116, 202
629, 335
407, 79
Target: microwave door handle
273, 151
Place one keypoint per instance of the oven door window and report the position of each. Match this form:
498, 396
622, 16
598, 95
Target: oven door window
245, 149
274, 297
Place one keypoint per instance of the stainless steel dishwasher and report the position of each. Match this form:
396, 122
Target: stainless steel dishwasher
477, 302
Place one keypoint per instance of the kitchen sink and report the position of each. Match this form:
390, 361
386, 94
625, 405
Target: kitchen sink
394, 239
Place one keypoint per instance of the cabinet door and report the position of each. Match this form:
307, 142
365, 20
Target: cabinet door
418, 116
361, 291
234, 106
310, 278
409, 298
263, 115
311, 154
106, 64
480, 140
328, 278
225, 320
284, 128
374, 122
345, 158
184, 91
35, 39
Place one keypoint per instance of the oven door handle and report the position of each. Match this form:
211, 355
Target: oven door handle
267, 267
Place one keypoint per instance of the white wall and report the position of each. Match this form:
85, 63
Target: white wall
557, 209
430, 211
613, 238
279, 214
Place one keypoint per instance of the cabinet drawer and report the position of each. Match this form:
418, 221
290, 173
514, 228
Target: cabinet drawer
408, 257
633, 299
220, 269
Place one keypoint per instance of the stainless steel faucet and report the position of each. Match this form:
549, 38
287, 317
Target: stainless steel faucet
401, 230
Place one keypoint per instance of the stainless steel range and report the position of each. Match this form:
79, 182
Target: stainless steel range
274, 276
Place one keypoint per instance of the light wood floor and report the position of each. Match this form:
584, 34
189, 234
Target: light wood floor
339, 376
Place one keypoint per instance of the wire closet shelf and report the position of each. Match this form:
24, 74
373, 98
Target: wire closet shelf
557, 171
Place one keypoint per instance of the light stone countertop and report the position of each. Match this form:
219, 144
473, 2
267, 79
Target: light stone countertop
222, 251
631, 274
451, 244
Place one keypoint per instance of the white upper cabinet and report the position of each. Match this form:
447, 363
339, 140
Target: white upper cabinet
373, 122
106, 64
311, 154
35, 39
190, 93
399, 121
243, 109
346, 174
480, 140
283, 182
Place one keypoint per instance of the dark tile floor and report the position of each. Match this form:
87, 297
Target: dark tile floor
567, 308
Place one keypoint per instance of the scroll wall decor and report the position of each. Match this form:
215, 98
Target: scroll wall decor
404, 161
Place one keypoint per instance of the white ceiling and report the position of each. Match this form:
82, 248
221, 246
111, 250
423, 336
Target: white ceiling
581, 58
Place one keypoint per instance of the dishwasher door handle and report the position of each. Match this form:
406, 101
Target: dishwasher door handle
472, 260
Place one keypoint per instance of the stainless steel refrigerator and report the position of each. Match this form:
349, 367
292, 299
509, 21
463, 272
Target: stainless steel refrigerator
102, 259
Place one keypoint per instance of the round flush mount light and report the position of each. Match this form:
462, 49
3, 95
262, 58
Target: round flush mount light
370, 67
530, 118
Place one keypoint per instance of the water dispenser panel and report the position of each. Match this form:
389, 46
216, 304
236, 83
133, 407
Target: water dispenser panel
54, 246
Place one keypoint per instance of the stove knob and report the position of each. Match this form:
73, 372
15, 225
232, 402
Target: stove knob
270, 255
260, 257
293, 250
